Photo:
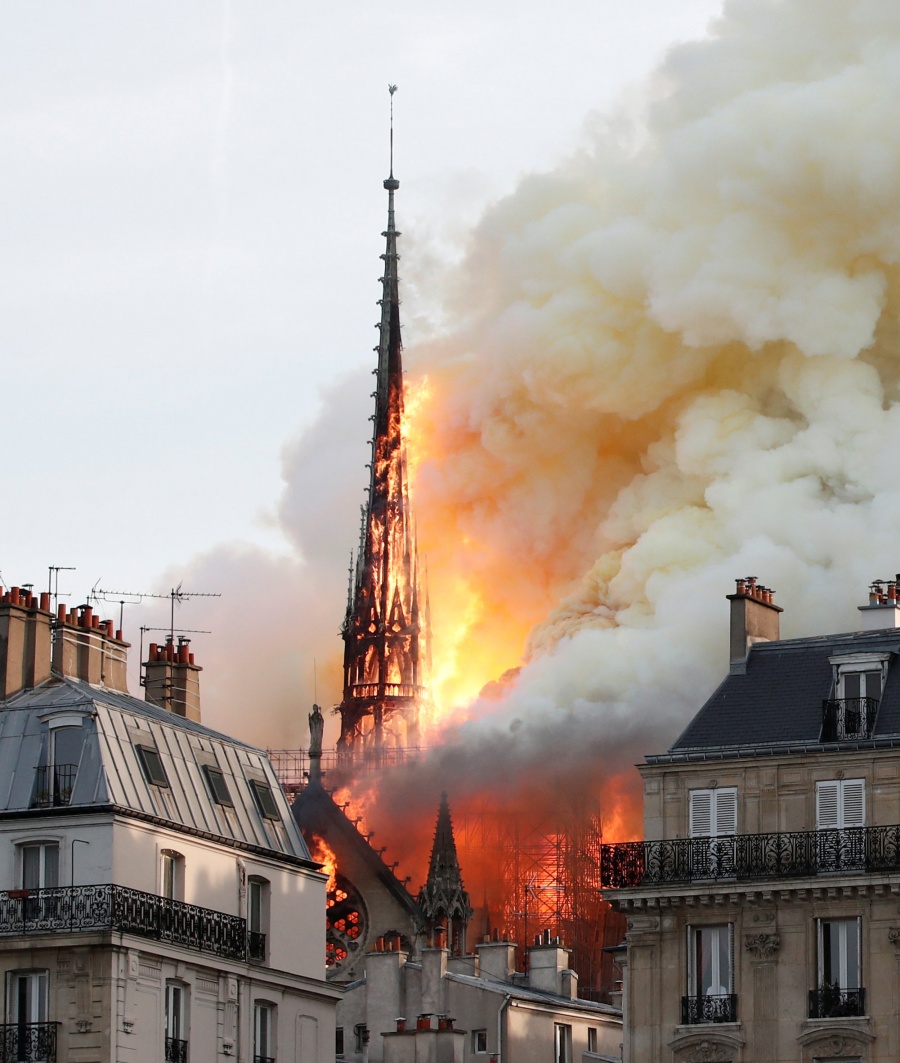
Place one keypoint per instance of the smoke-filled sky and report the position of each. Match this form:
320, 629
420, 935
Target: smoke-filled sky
651, 337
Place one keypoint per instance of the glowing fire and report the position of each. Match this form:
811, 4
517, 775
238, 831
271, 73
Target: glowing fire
322, 853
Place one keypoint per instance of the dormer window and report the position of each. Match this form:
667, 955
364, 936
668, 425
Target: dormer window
152, 765
858, 684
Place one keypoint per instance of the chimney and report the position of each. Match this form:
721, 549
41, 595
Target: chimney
547, 960
754, 618
24, 640
434, 967
496, 960
883, 610
172, 679
84, 647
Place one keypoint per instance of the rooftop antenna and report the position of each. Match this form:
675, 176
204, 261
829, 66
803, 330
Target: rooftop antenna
53, 582
175, 595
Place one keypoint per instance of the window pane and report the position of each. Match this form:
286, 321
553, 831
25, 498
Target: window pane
851, 684
873, 684
67, 743
31, 867
51, 865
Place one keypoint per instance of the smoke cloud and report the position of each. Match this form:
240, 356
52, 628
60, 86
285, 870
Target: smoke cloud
673, 361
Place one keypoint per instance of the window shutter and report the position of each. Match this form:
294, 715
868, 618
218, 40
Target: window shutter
827, 805
854, 803
726, 812
701, 813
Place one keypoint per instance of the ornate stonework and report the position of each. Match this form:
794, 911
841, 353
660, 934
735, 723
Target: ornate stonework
763, 946
708, 1052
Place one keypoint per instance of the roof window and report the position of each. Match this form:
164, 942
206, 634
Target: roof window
265, 799
152, 765
218, 787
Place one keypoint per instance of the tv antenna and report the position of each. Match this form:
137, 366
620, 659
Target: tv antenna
53, 582
176, 596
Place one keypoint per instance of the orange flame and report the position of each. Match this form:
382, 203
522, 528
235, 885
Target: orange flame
322, 852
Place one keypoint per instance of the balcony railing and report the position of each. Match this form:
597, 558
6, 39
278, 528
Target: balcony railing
263, 1059
848, 719
131, 911
365, 691
28, 1042
176, 1050
53, 785
743, 857
708, 1009
832, 1002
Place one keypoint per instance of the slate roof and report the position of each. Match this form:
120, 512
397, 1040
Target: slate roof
534, 996
776, 705
110, 776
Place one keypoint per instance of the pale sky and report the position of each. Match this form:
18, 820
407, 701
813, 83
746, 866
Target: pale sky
191, 213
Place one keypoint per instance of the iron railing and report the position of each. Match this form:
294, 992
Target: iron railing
53, 785
833, 1002
72, 908
256, 946
848, 718
28, 1042
263, 1059
176, 1050
750, 856
706, 1008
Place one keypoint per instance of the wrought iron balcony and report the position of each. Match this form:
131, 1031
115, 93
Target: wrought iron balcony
744, 857
28, 1042
256, 946
832, 1002
263, 1059
705, 1008
53, 785
848, 719
107, 907
176, 1050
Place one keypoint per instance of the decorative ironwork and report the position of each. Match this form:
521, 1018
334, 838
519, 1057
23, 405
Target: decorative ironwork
833, 1002
263, 1059
750, 856
707, 1008
176, 1051
848, 718
28, 1042
53, 785
256, 946
121, 908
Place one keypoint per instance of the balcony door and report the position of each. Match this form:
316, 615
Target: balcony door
28, 1034
710, 974
840, 810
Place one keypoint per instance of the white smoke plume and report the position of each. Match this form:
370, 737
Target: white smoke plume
674, 361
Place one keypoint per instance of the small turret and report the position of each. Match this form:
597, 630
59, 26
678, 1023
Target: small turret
443, 899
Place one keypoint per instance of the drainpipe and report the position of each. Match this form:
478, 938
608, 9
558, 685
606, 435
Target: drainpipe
500, 1011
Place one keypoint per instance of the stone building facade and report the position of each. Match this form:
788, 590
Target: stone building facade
157, 901
764, 905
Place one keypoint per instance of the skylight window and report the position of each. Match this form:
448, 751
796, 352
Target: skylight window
265, 799
152, 765
218, 787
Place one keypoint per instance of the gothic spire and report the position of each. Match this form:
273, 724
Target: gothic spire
385, 683
443, 900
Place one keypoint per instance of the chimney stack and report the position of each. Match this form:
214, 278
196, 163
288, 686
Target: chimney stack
24, 640
883, 610
84, 647
754, 618
172, 679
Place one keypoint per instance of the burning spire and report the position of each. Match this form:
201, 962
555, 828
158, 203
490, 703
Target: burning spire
385, 635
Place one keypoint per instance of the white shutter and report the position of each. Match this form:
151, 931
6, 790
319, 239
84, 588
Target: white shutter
854, 810
725, 819
701, 813
827, 815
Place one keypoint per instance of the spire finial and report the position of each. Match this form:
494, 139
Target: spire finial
391, 184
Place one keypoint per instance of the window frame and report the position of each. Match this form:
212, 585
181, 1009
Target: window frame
479, 1037
263, 795
695, 978
217, 785
855, 789
562, 1042
37, 979
171, 875
843, 974
263, 1030
723, 805
150, 760
44, 848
